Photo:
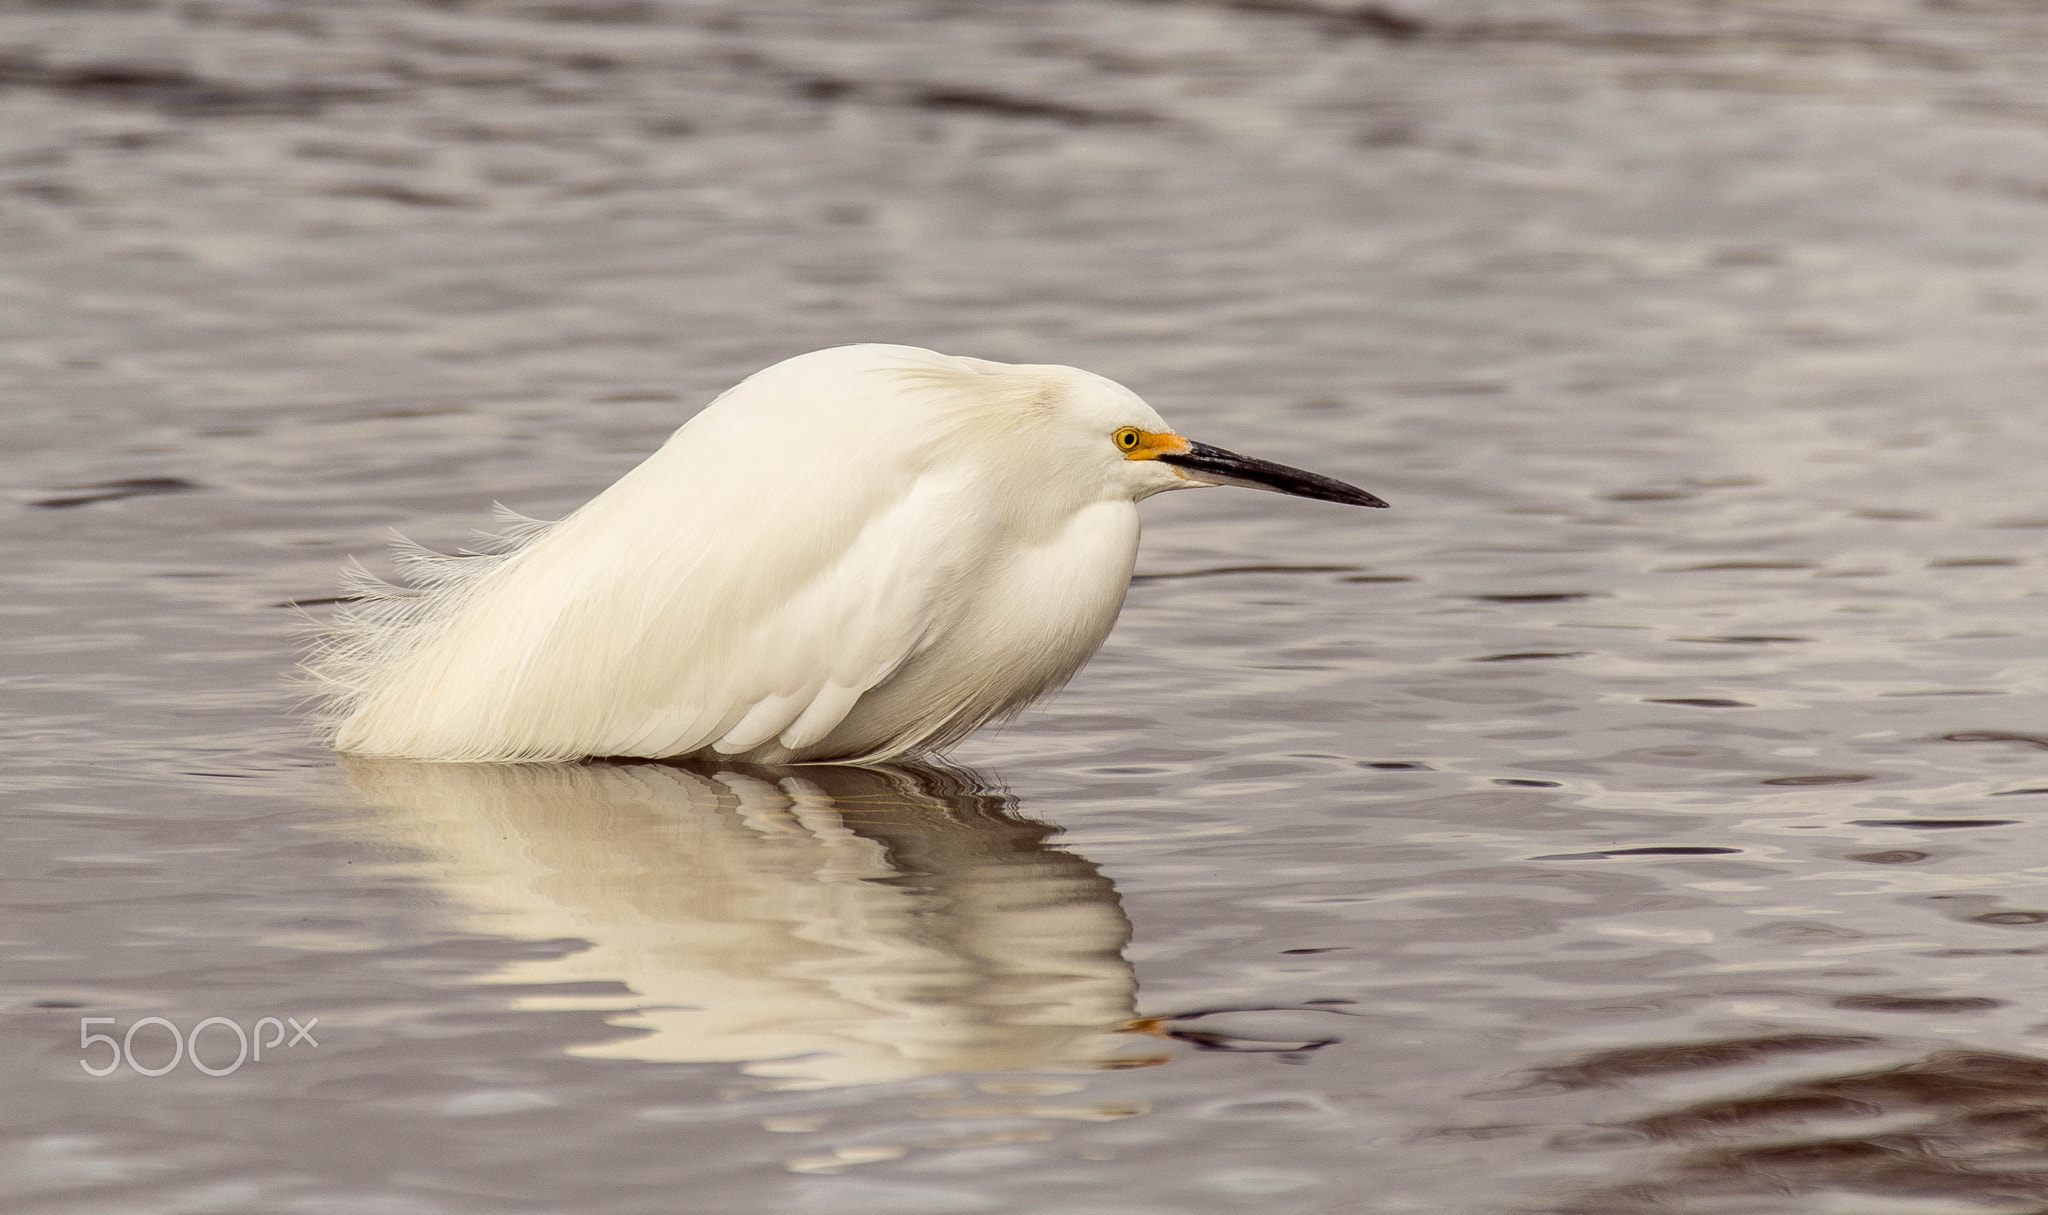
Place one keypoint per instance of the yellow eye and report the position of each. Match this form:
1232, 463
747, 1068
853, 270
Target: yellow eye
1127, 438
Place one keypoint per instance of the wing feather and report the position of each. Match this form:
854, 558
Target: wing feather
806, 665
597, 638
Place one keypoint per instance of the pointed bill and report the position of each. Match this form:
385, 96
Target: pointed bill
1215, 466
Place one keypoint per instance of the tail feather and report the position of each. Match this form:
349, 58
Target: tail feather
383, 622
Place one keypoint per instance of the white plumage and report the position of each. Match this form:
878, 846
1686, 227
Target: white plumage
855, 554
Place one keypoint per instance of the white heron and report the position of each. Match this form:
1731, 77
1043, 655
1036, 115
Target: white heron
854, 555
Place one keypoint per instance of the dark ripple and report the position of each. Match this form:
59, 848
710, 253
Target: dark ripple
1883, 1002
1608, 1068
1933, 824
115, 491
169, 86
1224, 570
1655, 850
1725, 566
1006, 105
2010, 919
2032, 740
1379, 21
1525, 655
1977, 1123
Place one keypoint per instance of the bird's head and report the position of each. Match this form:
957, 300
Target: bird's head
1052, 436
1096, 423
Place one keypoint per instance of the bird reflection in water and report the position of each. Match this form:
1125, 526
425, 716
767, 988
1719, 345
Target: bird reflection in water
821, 925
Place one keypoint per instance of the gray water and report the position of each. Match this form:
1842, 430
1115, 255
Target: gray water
1640, 817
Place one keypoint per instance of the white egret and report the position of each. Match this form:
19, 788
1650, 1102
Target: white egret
856, 554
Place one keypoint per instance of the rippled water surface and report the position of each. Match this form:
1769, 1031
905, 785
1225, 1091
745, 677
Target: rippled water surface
1643, 816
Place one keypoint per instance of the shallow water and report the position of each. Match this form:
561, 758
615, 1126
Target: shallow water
1640, 817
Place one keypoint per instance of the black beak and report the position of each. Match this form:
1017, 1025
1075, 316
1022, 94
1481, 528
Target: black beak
1220, 467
